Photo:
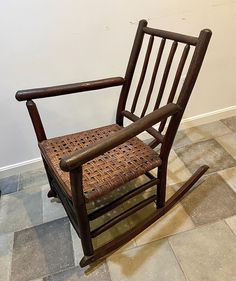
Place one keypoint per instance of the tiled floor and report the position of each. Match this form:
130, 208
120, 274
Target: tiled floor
195, 241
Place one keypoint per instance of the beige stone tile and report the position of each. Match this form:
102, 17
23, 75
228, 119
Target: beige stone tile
52, 208
175, 221
177, 171
154, 261
98, 241
20, 210
207, 131
210, 201
229, 143
112, 232
207, 253
181, 139
77, 248
6, 245
229, 175
207, 152
230, 123
95, 272
42, 250
232, 223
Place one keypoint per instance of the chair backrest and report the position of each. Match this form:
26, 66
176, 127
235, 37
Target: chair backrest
168, 80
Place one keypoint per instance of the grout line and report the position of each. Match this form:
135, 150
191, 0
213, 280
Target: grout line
108, 269
11, 253
18, 184
229, 225
178, 261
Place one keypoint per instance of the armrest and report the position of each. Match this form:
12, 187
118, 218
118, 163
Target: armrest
68, 89
76, 159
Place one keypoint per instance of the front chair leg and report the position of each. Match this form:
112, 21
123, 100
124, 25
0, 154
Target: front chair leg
79, 206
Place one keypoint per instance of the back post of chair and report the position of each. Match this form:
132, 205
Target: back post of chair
130, 71
166, 140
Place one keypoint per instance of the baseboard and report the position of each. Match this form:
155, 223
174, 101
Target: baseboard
200, 119
208, 117
21, 167
186, 123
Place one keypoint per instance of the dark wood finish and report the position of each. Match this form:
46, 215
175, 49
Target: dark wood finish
176, 81
68, 89
122, 216
80, 210
51, 193
172, 35
154, 74
127, 236
154, 143
150, 175
156, 134
36, 120
165, 75
143, 73
122, 199
130, 71
74, 203
186, 90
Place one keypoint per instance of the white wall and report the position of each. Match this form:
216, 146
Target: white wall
51, 42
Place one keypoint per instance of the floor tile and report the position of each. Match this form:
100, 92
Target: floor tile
229, 143
9, 184
20, 210
6, 244
232, 223
154, 261
181, 139
42, 250
52, 208
208, 152
207, 253
230, 122
101, 239
229, 175
207, 131
77, 247
176, 220
177, 171
33, 178
98, 273
210, 201
112, 232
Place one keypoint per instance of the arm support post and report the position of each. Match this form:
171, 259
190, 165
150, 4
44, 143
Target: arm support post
36, 120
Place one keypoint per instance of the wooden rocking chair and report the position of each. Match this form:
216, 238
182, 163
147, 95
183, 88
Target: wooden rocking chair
85, 166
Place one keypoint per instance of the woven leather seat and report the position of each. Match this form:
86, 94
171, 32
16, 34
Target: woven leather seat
106, 172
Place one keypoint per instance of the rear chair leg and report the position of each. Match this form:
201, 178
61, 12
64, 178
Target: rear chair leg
51, 192
161, 186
